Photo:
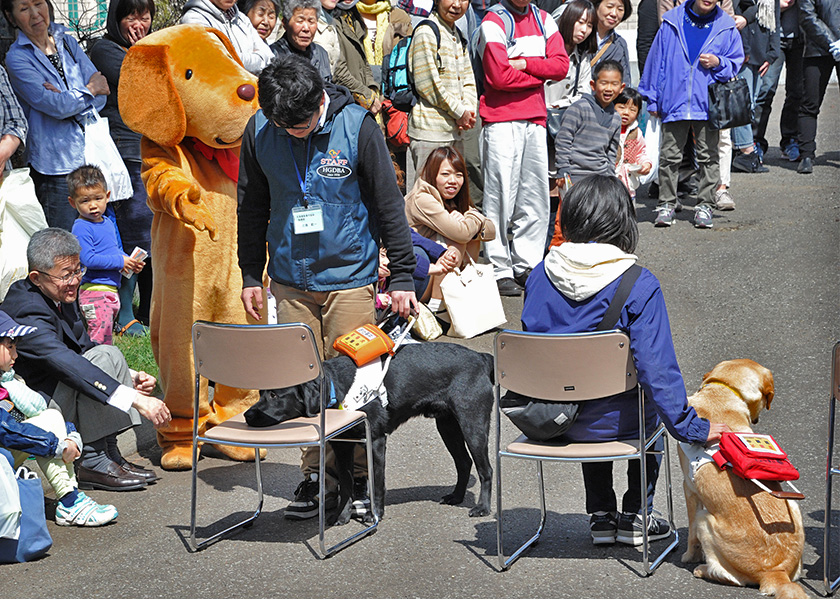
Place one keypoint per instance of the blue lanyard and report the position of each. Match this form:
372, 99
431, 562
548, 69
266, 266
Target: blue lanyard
302, 181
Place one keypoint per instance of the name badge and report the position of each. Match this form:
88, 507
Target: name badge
308, 219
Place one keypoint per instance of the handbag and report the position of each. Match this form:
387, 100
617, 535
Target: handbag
730, 104
472, 300
21, 215
553, 118
101, 151
426, 326
33, 539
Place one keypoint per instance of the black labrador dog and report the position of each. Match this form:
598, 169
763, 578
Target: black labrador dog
447, 382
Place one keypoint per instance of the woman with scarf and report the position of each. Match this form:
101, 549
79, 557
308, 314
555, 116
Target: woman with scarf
128, 22
352, 69
757, 21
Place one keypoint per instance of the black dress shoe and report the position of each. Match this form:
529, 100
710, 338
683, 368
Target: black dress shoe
113, 479
138, 471
508, 287
806, 167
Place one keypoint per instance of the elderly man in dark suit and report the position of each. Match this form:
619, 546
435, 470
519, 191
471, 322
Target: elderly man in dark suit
92, 384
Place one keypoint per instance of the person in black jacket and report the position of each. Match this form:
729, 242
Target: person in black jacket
92, 384
791, 60
758, 22
317, 185
819, 21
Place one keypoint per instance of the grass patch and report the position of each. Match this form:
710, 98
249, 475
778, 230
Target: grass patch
138, 354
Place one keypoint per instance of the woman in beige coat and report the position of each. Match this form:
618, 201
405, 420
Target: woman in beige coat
438, 207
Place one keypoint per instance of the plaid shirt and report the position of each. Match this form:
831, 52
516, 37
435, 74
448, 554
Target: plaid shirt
13, 121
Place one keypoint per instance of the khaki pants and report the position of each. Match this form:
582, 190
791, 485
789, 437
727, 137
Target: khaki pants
706, 140
330, 315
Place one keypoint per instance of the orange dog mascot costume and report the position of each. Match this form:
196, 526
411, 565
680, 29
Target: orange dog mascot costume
185, 90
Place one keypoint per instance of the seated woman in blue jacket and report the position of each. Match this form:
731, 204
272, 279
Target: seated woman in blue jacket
569, 293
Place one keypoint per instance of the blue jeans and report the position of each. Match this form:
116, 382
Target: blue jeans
742, 137
791, 59
53, 194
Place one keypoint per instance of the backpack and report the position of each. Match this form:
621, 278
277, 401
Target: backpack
397, 85
510, 30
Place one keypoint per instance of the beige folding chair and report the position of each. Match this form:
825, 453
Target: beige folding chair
260, 357
572, 368
830, 471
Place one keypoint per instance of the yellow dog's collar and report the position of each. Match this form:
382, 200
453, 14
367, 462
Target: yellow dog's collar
726, 385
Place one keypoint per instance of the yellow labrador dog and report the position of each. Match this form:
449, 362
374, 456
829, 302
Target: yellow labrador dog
746, 535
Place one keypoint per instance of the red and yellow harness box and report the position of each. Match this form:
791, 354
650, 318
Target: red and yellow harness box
364, 343
755, 456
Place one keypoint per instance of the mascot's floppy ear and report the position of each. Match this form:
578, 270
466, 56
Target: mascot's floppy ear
149, 102
226, 43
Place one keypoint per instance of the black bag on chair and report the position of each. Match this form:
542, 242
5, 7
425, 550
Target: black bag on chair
730, 104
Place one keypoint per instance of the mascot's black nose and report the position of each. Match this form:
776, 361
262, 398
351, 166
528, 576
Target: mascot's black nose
246, 91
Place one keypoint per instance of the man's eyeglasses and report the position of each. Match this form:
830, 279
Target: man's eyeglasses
298, 127
65, 279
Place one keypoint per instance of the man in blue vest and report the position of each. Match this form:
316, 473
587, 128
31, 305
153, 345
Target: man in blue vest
317, 184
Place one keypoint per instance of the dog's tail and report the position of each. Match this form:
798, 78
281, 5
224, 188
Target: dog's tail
778, 584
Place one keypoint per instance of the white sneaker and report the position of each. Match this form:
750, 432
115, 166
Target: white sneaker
723, 200
84, 513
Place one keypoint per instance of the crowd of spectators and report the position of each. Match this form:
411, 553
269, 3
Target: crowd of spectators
516, 102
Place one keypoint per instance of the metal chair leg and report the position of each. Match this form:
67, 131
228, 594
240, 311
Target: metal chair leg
504, 564
830, 471
327, 552
650, 568
244, 523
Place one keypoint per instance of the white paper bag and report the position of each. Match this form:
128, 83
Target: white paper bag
472, 300
101, 151
653, 133
21, 215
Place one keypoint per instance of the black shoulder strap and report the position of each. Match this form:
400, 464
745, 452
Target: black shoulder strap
433, 26
621, 294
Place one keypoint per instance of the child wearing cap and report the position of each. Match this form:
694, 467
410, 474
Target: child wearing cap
29, 427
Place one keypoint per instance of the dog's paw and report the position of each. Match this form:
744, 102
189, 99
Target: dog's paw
479, 511
701, 572
452, 499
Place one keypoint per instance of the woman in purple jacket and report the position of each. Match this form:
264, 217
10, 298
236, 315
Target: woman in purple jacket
697, 45
569, 293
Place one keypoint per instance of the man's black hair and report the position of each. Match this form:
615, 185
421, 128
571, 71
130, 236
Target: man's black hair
290, 90
599, 209
607, 65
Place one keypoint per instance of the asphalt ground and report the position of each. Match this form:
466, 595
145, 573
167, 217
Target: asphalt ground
762, 284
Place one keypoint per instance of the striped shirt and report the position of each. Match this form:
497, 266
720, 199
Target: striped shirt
14, 122
445, 89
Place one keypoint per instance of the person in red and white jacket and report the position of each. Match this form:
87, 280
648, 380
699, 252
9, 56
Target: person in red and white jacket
514, 148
